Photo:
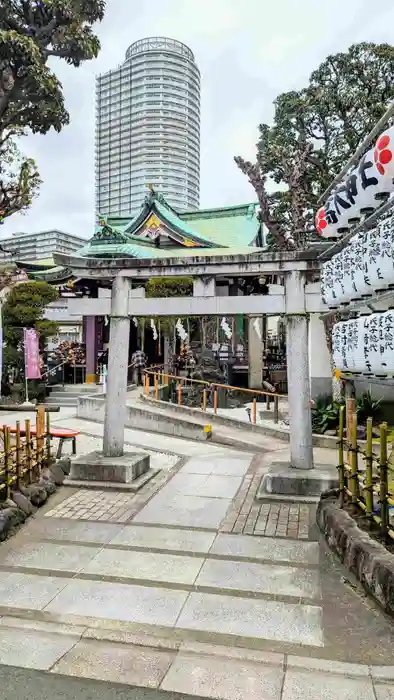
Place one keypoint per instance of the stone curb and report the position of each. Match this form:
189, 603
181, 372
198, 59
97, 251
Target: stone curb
23, 503
326, 441
367, 559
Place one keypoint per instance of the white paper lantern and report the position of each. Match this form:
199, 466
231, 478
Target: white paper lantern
326, 221
383, 158
351, 343
328, 285
373, 261
361, 352
375, 334
357, 266
387, 343
337, 338
337, 274
386, 246
345, 258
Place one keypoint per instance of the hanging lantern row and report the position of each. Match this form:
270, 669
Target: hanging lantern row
226, 328
361, 192
365, 345
362, 268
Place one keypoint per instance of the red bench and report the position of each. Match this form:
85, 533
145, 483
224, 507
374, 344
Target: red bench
63, 434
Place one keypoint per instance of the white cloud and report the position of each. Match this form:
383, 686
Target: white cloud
248, 52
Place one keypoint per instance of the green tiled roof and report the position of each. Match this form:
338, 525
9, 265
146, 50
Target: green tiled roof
142, 251
229, 226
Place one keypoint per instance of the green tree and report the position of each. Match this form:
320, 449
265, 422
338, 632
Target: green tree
24, 308
31, 98
314, 132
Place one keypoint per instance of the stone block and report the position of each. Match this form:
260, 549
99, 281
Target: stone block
65, 464
283, 479
123, 470
22, 502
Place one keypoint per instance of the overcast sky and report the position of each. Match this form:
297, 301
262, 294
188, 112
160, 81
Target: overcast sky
248, 51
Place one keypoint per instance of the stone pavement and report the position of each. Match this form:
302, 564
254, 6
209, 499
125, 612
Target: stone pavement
177, 591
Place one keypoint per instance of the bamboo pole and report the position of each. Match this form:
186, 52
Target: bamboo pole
368, 471
341, 461
384, 506
355, 487
6, 443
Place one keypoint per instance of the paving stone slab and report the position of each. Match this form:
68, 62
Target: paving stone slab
384, 692
52, 557
119, 663
164, 538
214, 464
31, 649
260, 578
73, 531
304, 685
266, 548
118, 601
190, 511
264, 619
151, 566
212, 677
205, 485
28, 591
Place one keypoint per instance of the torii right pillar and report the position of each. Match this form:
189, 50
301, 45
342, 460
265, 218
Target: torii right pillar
299, 396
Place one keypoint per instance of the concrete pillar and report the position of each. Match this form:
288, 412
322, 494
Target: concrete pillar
320, 372
300, 419
255, 354
115, 404
91, 339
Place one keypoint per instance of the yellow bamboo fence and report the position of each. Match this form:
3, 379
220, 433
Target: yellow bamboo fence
365, 474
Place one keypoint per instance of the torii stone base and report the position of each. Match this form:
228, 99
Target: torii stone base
129, 472
283, 480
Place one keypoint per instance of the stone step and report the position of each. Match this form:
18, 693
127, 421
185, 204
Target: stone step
183, 665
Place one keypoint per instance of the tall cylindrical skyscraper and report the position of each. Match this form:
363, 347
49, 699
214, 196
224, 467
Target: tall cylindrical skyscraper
148, 128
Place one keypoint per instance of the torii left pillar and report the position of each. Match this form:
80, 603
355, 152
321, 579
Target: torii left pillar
118, 355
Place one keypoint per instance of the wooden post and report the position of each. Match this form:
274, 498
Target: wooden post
18, 456
28, 451
254, 411
215, 401
350, 411
180, 394
204, 400
40, 438
156, 385
48, 436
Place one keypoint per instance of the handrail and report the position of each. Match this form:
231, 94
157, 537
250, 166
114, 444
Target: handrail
218, 385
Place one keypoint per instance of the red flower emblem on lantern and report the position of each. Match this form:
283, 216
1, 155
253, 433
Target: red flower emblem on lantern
320, 220
382, 153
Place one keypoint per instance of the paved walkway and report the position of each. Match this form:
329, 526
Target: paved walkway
190, 587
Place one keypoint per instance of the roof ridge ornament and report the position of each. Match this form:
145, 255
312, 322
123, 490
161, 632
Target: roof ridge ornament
107, 234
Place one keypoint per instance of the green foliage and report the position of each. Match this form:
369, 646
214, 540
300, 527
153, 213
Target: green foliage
24, 308
314, 131
31, 97
169, 287
368, 407
325, 414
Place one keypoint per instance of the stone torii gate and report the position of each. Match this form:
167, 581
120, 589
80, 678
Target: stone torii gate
296, 299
